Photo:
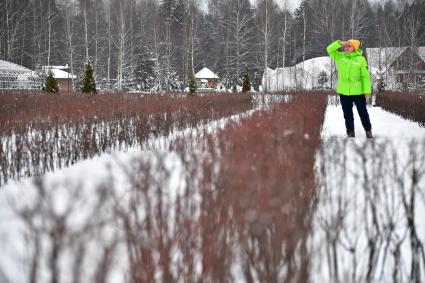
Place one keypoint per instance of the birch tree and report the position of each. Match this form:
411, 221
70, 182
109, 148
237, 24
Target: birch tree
358, 20
240, 24
123, 32
69, 10
12, 27
264, 34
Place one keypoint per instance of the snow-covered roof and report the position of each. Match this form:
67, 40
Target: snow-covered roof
206, 73
60, 67
421, 52
12, 69
59, 74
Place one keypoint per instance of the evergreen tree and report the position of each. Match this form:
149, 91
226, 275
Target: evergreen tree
51, 83
179, 13
192, 84
246, 81
323, 78
208, 42
166, 10
88, 83
144, 72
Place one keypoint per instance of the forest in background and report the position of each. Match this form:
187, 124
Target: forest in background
155, 45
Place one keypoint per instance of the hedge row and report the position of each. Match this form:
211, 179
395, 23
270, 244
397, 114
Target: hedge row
408, 105
235, 205
42, 133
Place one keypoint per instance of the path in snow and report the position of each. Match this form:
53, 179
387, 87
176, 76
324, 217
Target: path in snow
369, 193
384, 124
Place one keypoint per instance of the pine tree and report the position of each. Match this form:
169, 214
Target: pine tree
192, 84
246, 81
51, 83
88, 83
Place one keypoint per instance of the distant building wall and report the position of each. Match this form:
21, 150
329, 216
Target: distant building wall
65, 85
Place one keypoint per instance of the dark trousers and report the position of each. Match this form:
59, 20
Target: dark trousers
347, 107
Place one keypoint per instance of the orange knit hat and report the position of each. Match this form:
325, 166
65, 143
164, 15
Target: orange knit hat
355, 43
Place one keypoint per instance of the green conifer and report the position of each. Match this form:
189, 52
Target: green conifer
323, 78
246, 81
88, 84
192, 84
52, 85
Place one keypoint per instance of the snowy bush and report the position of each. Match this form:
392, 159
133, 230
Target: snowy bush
43, 133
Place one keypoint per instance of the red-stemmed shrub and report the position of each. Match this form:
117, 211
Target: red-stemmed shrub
40, 133
408, 105
232, 205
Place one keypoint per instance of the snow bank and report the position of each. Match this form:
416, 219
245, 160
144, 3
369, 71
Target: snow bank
304, 75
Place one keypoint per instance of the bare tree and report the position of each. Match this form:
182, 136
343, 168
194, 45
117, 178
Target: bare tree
12, 27
412, 33
240, 24
264, 9
123, 34
69, 10
358, 20
51, 17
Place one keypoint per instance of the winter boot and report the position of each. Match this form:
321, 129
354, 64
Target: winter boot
350, 134
369, 134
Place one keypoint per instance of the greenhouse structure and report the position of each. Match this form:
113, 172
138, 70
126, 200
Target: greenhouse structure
16, 77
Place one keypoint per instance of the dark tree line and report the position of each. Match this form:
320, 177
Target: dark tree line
156, 44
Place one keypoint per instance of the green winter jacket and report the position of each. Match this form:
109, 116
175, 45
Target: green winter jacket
353, 73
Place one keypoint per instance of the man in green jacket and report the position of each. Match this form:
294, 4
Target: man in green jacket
353, 82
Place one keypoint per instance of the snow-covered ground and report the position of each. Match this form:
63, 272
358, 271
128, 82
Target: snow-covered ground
385, 125
368, 226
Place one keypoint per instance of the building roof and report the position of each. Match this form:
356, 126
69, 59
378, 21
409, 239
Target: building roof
58, 73
421, 52
206, 73
12, 69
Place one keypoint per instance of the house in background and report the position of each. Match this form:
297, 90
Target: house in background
206, 79
397, 67
62, 75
